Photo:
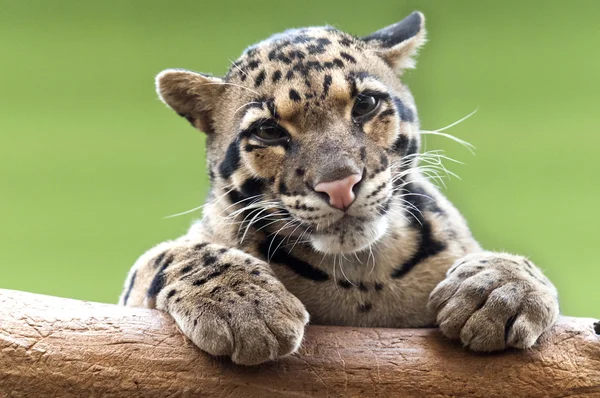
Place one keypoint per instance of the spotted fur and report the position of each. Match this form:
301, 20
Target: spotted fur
270, 250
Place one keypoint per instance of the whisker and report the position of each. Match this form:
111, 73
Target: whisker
238, 68
342, 269
201, 206
439, 132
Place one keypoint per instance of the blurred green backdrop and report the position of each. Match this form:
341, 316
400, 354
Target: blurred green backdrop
91, 162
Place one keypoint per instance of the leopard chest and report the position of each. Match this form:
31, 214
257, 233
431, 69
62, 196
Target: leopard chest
363, 295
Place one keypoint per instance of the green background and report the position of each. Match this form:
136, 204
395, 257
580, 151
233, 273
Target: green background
91, 162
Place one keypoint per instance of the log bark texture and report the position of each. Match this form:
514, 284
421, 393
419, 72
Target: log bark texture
54, 347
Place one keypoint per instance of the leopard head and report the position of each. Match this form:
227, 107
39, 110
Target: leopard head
313, 127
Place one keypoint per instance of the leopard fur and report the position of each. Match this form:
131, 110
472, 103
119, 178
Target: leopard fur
270, 250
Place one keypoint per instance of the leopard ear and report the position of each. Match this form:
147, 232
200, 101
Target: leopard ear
192, 95
397, 44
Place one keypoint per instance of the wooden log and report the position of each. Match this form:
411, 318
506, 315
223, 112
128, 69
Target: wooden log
54, 347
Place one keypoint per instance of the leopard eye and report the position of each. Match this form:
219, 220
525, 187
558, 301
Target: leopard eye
270, 134
364, 106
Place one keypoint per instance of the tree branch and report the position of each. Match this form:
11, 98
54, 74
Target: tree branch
54, 347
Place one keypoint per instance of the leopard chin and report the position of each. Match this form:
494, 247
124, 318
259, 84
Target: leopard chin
349, 236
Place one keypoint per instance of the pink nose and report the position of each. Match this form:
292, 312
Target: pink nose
340, 191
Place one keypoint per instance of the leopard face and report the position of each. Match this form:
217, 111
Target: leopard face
310, 132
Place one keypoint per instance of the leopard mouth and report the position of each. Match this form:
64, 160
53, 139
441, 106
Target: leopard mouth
349, 235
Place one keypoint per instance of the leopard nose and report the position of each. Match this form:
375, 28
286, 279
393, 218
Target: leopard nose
340, 192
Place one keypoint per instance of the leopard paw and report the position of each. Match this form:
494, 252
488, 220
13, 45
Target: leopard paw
491, 301
236, 307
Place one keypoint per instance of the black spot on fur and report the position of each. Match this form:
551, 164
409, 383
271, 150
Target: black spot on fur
348, 57
400, 145
255, 272
168, 261
315, 49
128, 292
258, 81
345, 284
326, 85
311, 65
386, 113
253, 65
298, 266
276, 76
363, 153
199, 282
186, 269
158, 282
200, 246
300, 172
296, 54
366, 307
406, 115
283, 189
377, 189
378, 286
294, 96
428, 245
346, 42
352, 83
251, 51
171, 293
362, 287
214, 274
159, 259
597, 327
272, 108
253, 186
232, 160
413, 147
208, 259
302, 39
252, 147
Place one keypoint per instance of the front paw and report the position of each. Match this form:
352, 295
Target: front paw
237, 308
491, 301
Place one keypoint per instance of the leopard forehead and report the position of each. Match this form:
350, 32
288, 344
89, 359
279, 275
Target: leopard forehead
295, 54
316, 63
